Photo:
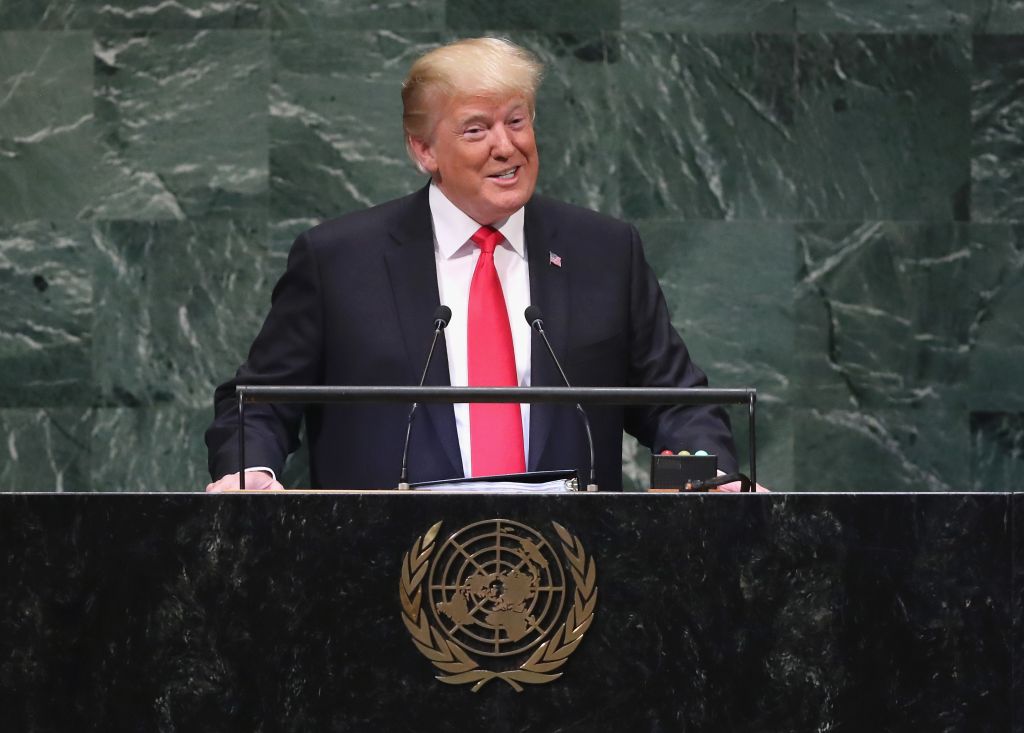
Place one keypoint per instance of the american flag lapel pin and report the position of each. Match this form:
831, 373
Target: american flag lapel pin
555, 260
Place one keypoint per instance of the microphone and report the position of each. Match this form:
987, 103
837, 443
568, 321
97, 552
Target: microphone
535, 318
442, 316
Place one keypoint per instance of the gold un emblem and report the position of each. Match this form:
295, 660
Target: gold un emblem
494, 601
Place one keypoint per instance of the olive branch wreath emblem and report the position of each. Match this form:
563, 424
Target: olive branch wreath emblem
459, 667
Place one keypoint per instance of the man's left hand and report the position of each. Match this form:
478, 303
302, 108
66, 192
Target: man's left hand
736, 486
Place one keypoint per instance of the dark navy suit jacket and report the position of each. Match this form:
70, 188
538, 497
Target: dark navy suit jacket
355, 307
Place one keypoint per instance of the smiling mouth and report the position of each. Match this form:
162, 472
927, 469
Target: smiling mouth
505, 175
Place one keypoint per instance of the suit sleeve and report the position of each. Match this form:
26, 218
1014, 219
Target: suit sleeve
288, 350
659, 358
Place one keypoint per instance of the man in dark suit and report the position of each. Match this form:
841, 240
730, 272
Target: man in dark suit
354, 307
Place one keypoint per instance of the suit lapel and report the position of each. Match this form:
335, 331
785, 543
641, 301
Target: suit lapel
549, 291
413, 274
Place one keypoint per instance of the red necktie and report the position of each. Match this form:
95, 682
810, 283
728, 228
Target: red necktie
495, 431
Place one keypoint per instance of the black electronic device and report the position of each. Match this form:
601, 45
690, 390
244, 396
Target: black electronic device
673, 472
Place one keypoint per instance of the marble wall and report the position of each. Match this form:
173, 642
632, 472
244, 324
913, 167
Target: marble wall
831, 192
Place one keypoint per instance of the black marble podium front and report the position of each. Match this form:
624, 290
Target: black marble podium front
798, 612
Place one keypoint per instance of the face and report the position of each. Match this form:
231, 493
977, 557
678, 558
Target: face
482, 155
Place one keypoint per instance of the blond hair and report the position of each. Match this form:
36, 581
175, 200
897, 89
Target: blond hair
467, 68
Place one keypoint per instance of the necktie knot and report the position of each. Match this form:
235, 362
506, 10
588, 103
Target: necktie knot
487, 238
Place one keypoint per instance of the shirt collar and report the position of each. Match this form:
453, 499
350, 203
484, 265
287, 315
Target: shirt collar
453, 228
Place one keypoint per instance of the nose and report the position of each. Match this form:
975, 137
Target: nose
501, 145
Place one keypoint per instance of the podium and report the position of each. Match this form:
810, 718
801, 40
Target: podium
284, 612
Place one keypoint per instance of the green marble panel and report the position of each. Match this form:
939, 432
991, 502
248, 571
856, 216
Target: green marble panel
999, 16
149, 449
357, 14
997, 332
709, 16
576, 119
135, 14
997, 451
183, 121
881, 450
46, 125
44, 449
574, 16
195, 294
636, 465
707, 126
883, 127
336, 121
160, 14
883, 315
46, 294
997, 140
884, 16
729, 287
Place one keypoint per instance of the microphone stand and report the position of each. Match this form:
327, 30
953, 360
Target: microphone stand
442, 316
536, 321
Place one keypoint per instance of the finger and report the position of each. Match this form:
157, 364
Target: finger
224, 483
260, 481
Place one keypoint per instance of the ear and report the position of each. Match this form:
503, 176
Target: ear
423, 151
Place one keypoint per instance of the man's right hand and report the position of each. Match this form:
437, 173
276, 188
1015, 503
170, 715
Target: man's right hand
254, 481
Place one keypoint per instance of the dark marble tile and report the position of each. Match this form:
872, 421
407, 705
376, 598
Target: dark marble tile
999, 16
881, 450
576, 119
736, 317
196, 293
336, 141
996, 289
46, 292
44, 449
183, 123
574, 16
883, 125
786, 613
881, 16
636, 465
157, 14
997, 138
707, 126
997, 451
709, 16
352, 15
883, 315
149, 448
46, 126
58, 14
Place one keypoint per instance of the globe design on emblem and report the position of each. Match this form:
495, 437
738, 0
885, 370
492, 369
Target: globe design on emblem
497, 588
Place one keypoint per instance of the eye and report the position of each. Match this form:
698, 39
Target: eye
474, 132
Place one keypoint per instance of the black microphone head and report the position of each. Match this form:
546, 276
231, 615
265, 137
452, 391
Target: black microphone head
442, 316
533, 316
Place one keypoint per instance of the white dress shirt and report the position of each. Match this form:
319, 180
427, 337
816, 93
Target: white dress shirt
455, 256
